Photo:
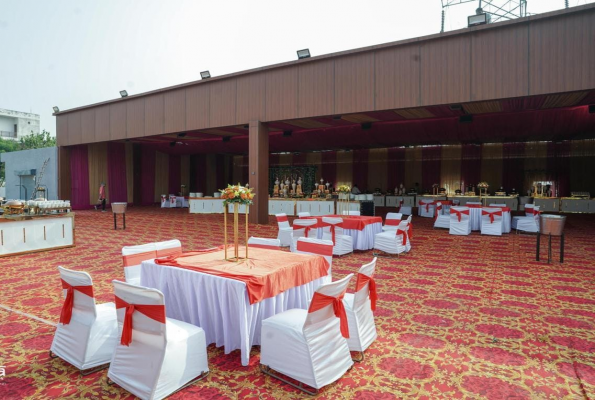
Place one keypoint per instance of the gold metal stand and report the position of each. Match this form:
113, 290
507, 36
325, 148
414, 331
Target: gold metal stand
236, 246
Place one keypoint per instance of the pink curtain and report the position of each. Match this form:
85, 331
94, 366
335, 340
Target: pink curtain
470, 165
116, 172
147, 176
175, 174
79, 176
430, 166
329, 167
513, 162
360, 169
396, 167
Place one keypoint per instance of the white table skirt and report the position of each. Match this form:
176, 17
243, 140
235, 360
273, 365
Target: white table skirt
362, 240
475, 216
220, 306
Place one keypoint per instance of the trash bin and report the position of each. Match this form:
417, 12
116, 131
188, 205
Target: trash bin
552, 224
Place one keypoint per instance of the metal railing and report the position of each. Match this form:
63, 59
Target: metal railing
8, 134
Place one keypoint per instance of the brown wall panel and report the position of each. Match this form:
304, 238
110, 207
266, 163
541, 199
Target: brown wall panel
74, 128
282, 93
251, 93
88, 125
354, 83
222, 110
499, 60
102, 124
316, 89
64, 180
446, 70
117, 119
197, 107
397, 77
135, 118
562, 53
175, 111
154, 121
62, 130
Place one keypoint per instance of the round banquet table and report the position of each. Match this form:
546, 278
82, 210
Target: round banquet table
361, 228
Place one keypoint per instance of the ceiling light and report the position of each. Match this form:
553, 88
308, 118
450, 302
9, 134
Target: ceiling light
172, 144
205, 75
337, 117
56, 109
466, 119
182, 134
123, 93
287, 133
366, 126
303, 54
455, 107
226, 138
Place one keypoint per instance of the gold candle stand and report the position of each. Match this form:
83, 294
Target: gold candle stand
236, 218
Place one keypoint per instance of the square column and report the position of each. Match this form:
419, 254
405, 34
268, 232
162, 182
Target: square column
258, 170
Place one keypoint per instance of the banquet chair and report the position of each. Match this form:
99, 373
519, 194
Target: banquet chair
316, 246
264, 243
529, 209
354, 213
491, 221
528, 223
309, 346
460, 221
172, 201
425, 208
393, 241
87, 332
303, 227
285, 234
392, 221
168, 248
164, 201
133, 256
442, 219
156, 356
342, 244
359, 307
304, 214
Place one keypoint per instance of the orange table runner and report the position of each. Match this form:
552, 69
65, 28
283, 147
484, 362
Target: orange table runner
356, 222
266, 273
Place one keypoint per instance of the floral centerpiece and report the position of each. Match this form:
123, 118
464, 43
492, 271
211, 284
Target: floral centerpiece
483, 185
344, 189
237, 194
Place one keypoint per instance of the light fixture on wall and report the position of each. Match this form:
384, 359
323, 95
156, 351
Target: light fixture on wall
226, 138
303, 54
56, 109
205, 75
366, 126
287, 133
123, 93
182, 134
466, 119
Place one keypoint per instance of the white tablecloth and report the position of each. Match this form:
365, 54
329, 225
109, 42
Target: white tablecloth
362, 240
220, 306
475, 217
180, 202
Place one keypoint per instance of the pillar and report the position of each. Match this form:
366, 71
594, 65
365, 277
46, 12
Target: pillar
258, 169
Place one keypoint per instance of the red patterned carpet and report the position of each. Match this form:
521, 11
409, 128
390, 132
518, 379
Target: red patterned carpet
458, 317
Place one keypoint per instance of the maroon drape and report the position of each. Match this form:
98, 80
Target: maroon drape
274, 160
431, 157
470, 165
175, 174
116, 172
299, 159
147, 176
79, 176
513, 162
360, 169
220, 172
200, 185
395, 167
558, 167
329, 167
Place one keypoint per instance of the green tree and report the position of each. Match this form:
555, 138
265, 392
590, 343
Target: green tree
6, 146
37, 141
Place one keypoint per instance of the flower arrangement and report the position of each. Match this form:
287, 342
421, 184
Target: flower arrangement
483, 185
237, 194
344, 189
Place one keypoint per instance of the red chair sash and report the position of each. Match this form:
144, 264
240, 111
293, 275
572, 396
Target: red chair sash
305, 228
531, 211
459, 212
410, 231
400, 205
423, 203
135, 259
491, 214
392, 222
156, 312
404, 233
66, 313
282, 218
320, 300
316, 248
362, 279
169, 252
438, 209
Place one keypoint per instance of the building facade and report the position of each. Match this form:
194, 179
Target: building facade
16, 124
23, 169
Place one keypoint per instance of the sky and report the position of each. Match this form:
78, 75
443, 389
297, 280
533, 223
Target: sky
69, 53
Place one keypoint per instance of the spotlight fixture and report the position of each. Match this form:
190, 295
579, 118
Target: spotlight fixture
466, 119
172, 144
246, 126
182, 134
366, 126
591, 108
226, 138
123, 93
303, 54
56, 109
455, 107
205, 75
337, 117
287, 133
479, 19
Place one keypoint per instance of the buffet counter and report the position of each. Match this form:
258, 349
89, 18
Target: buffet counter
547, 204
465, 199
577, 205
511, 202
213, 205
30, 233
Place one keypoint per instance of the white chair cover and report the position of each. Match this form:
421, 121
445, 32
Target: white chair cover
304, 214
308, 346
460, 221
264, 243
285, 234
172, 201
164, 201
133, 256
319, 247
343, 243
392, 221
529, 223
394, 242
529, 210
89, 338
358, 306
354, 213
162, 356
168, 248
425, 208
442, 219
491, 221
299, 230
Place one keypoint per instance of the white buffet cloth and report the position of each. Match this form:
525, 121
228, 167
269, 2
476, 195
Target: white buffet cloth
475, 218
220, 306
362, 239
